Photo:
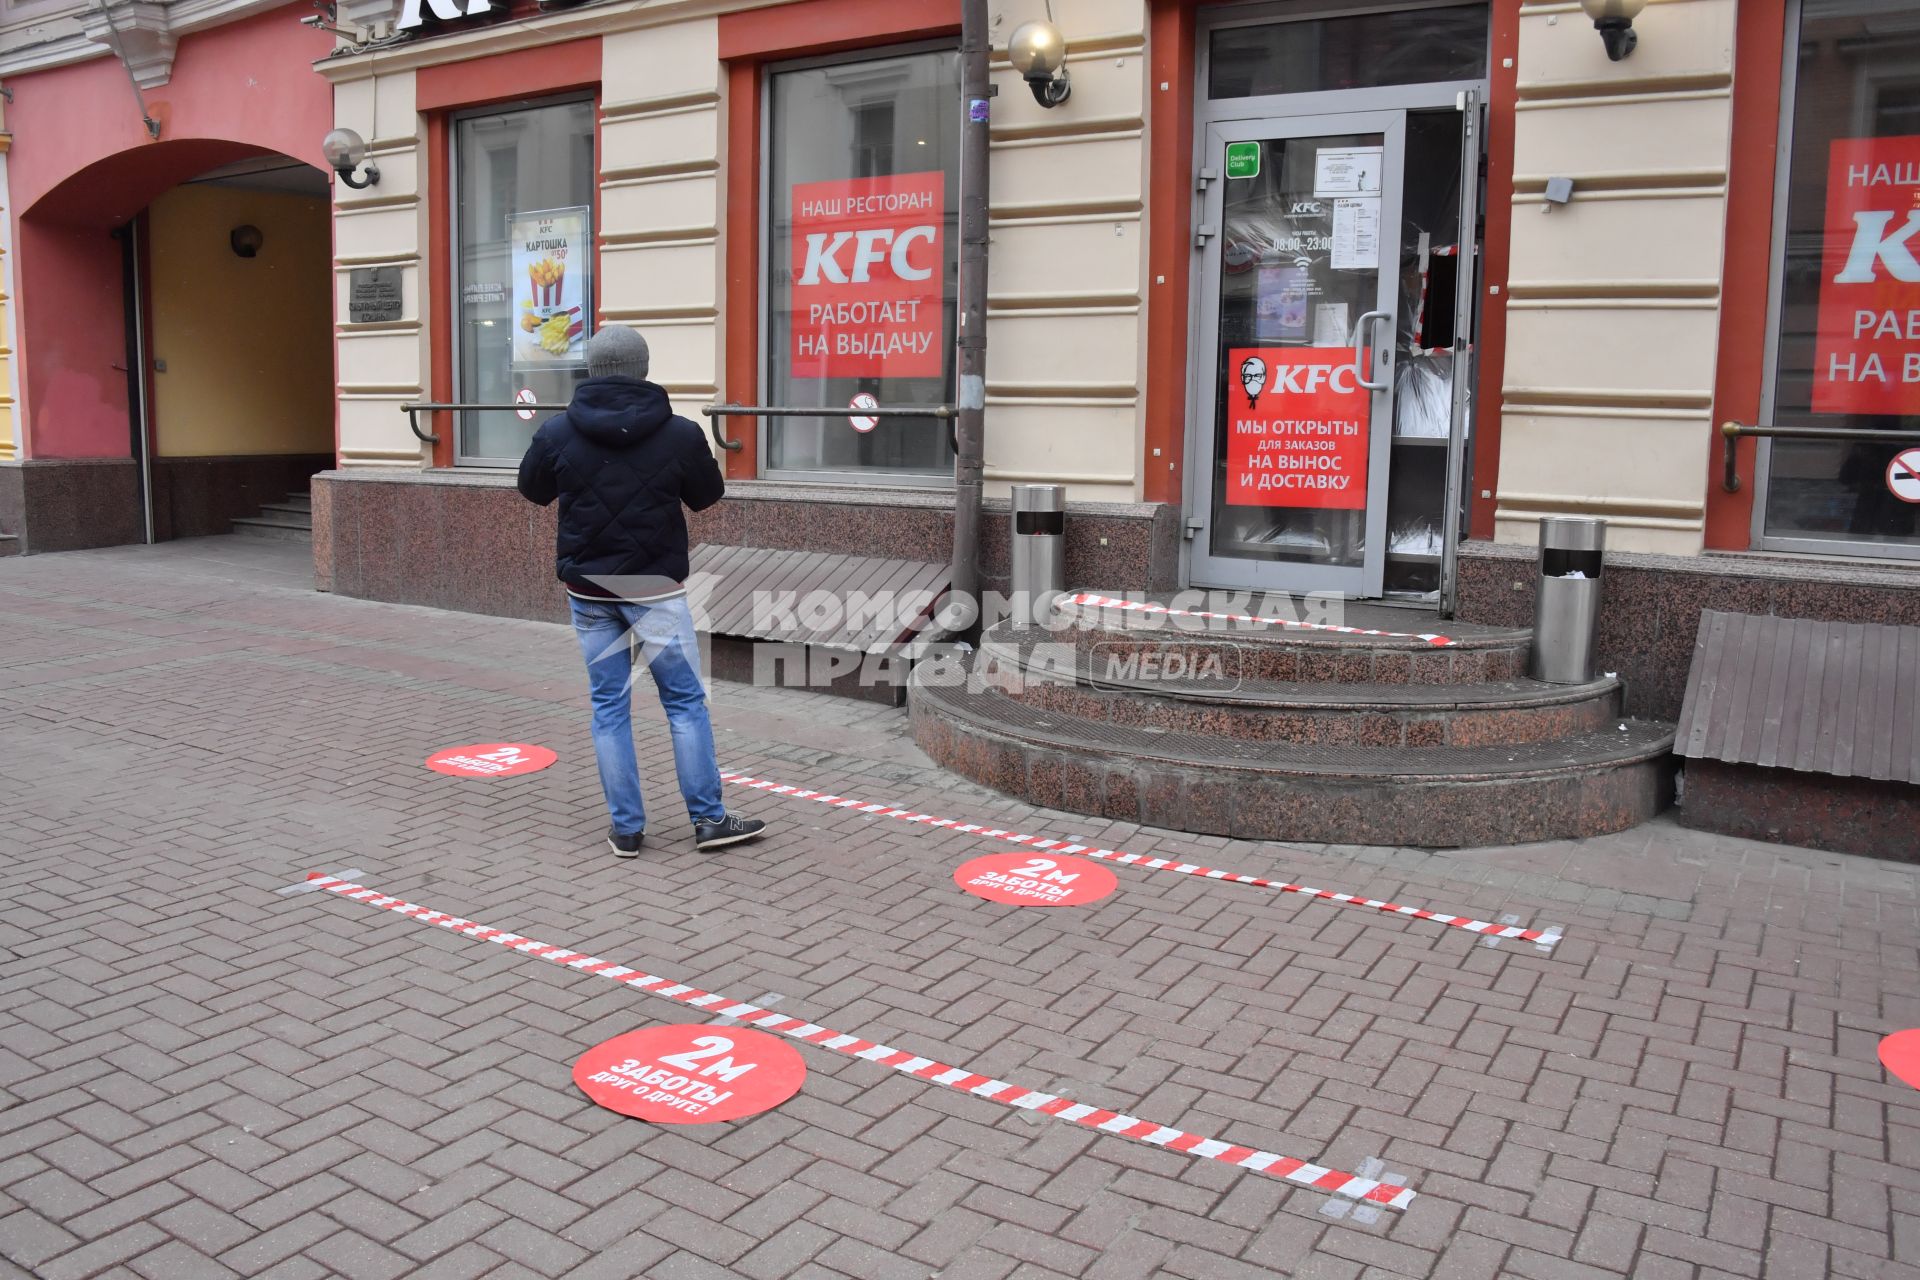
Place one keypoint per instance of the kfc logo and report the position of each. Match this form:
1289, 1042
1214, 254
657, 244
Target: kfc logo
1867, 348
867, 283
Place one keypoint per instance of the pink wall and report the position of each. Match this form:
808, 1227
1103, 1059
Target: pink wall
81, 164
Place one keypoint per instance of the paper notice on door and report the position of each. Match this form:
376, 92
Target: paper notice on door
1356, 234
1347, 171
1330, 324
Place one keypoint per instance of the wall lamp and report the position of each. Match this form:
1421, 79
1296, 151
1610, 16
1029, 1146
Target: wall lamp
1613, 19
344, 150
246, 241
1038, 52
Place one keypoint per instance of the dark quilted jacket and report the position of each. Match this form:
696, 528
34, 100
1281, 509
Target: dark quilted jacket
621, 465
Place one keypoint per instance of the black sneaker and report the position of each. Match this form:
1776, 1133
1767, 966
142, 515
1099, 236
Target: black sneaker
624, 846
708, 836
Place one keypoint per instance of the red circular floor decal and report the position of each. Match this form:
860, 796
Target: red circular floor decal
691, 1074
1900, 1054
490, 760
1035, 880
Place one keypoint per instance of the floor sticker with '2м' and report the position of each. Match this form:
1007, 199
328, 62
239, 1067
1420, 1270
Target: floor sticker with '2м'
1028, 880
490, 760
690, 1074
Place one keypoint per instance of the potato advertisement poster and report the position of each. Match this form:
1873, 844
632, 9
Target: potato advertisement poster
553, 287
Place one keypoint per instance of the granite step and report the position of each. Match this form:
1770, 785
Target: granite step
9, 545
1166, 687
294, 511
1580, 785
1408, 646
276, 524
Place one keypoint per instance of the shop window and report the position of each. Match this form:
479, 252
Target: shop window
1846, 336
524, 296
862, 264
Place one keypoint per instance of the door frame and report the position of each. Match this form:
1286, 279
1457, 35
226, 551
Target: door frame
1354, 581
1196, 482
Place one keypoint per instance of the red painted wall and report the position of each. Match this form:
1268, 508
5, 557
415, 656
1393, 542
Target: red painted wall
81, 164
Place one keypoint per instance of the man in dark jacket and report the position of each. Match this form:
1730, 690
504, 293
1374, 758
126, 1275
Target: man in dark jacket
621, 465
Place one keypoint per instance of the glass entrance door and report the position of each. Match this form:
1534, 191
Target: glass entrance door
1299, 316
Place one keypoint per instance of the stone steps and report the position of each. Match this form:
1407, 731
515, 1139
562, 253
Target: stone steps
290, 520
1431, 736
1276, 652
1428, 796
9, 545
1162, 686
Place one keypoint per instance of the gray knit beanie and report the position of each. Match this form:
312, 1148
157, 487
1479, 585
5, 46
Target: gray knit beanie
617, 352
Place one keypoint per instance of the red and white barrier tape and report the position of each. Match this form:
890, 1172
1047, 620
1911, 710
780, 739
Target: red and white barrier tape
1298, 1172
1543, 937
1142, 606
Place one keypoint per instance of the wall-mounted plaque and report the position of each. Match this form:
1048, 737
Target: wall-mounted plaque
373, 295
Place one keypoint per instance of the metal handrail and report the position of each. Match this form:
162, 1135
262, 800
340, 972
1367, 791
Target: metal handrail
1731, 432
428, 437
945, 412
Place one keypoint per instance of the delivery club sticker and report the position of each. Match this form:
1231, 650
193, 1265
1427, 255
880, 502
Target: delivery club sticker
1035, 880
694, 1073
490, 760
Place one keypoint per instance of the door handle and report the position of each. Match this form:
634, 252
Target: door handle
1364, 351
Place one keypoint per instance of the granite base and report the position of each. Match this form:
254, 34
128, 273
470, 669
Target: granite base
1815, 811
69, 504
1651, 604
468, 541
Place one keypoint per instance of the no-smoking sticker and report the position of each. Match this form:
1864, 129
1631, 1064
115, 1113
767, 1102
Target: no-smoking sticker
1903, 475
525, 396
1034, 880
490, 760
690, 1074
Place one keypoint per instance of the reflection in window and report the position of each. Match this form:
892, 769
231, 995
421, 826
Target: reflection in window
1361, 51
1848, 341
523, 319
862, 261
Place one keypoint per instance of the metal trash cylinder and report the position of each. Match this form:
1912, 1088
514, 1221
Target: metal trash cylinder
1567, 609
1039, 549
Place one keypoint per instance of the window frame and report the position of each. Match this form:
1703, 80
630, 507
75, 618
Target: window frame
1759, 538
456, 260
763, 290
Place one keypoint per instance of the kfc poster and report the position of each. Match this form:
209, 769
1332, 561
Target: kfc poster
1296, 428
553, 280
868, 268
1867, 352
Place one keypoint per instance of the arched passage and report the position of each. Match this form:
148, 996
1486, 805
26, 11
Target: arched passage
184, 323
88, 185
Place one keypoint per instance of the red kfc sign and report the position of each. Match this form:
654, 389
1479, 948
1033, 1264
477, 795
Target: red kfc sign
867, 277
1296, 428
1867, 353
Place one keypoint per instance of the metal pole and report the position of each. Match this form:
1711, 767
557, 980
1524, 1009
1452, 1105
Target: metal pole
976, 94
142, 389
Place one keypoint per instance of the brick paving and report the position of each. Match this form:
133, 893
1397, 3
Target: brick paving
201, 1078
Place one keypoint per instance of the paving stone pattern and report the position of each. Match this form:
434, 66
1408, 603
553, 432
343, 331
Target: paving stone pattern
201, 1078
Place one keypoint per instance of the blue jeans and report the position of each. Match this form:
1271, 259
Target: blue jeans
663, 632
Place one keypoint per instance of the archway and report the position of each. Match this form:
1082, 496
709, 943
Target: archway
176, 307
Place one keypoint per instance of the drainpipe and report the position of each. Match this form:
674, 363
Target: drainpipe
976, 93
